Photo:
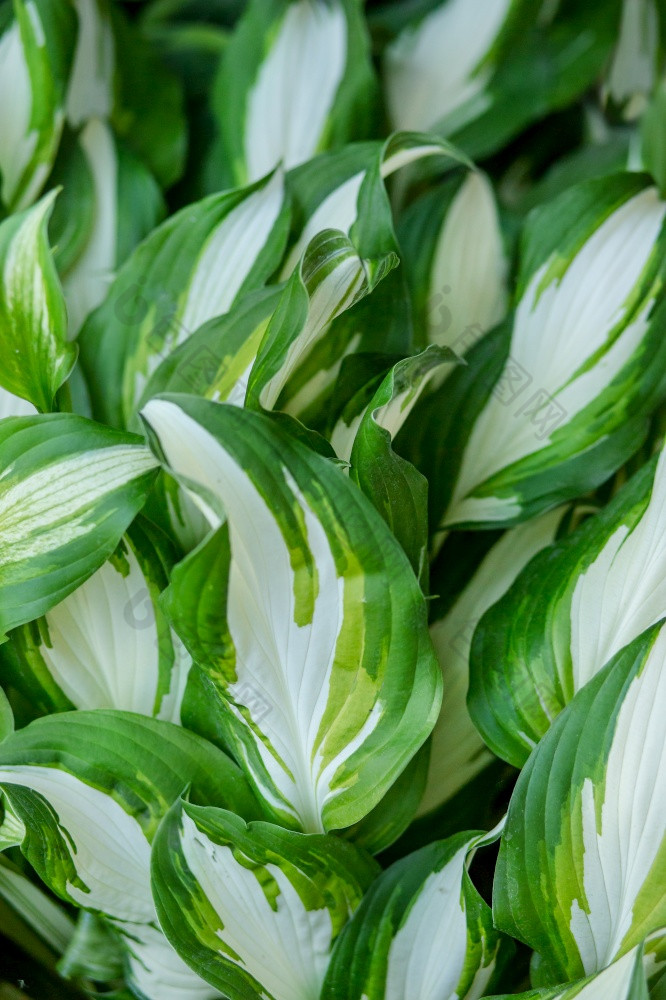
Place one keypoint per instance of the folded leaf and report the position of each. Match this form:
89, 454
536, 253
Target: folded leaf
422, 931
568, 613
35, 56
458, 752
318, 639
554, 405
36, 359
330, 279
346, 191
252, 908
364, 435
107, 645
68, 490
580, 870
295, 78
193, 267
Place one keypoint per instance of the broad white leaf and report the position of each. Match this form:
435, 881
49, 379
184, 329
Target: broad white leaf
624, 819
576, 327
469, 268
108, 644
312, 580
623, 590
436, 68
587, 821
262, 905
289, 103
107, 844
392, 949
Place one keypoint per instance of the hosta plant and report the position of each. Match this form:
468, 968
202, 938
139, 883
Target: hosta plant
332, 500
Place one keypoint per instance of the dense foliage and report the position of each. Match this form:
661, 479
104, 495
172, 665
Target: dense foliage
333, 499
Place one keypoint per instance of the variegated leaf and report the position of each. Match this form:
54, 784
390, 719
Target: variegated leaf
125, 206
35, 56
190, 269
90, 87
456, 262
293, 79
35, 357
421, 932
107, 645
551, 405
252, 908
573, 609
332, 191
441, 66
634, 68
331, 279
91, 789
479, 72
623, 980
311, 624
364, 435
580, 870
68, 490
458, 752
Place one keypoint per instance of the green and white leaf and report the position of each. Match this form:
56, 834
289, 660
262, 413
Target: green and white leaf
36, 359
571, 384
623, 980
254, 909
91, 788
126, 206
306, 615
36, 50
156, 971
569, 612
439, 68
480, 72
331, 191
91, 83
108, 644
69, 488
456, 264
457, 752
392, 949
364, 436
580, 870
331, 279
633, 71
193, 267
295, 78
